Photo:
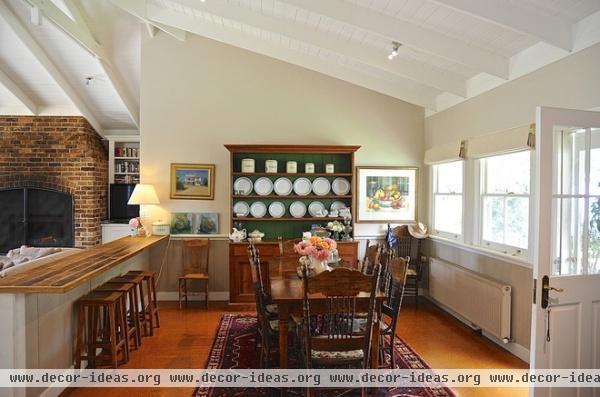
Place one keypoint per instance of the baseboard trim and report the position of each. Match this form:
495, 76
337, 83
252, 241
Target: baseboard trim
514, 348
212, 296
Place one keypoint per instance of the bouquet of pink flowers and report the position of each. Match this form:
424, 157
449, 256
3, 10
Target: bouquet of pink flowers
136, 225
316, 247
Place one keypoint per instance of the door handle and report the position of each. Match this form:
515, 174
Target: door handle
546, 288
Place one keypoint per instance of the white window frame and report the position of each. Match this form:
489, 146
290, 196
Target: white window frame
434, 193
480, 184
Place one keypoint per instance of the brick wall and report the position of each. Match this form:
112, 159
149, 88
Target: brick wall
61, 153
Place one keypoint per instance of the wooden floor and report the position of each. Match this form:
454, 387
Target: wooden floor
186, 336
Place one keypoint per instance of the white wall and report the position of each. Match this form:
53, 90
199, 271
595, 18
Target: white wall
199, 94
572, 82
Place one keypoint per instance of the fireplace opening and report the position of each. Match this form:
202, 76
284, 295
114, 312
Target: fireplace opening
36, 217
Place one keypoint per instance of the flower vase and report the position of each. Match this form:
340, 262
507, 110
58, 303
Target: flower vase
318, 266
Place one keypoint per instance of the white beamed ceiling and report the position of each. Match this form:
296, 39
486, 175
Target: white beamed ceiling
451, 49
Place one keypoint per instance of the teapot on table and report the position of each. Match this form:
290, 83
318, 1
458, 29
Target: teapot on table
237, 235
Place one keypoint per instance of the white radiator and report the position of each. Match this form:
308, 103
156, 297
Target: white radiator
482, 301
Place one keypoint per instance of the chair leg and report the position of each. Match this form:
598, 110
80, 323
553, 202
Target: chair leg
113, 337
155, 303
185, 292
180, 291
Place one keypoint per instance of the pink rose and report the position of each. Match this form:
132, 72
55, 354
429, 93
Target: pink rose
134, 223
332, 243
322, 255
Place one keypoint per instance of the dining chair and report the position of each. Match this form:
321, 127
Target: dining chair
411, 247
286, 247
329, 338
196, 255
268, 324
395, 280
372, 253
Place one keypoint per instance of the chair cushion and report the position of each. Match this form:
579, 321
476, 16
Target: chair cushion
195, 276
272, 309
411, 273
337, 355
360, 324
274, 324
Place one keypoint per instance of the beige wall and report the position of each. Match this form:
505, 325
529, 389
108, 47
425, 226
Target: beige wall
199, 94
572, 82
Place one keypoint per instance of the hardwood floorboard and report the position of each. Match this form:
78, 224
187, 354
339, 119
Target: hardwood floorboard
185, 338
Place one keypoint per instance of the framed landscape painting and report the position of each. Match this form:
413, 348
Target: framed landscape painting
193, 181
386, 194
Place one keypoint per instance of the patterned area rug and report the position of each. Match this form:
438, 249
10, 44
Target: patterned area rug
235, 347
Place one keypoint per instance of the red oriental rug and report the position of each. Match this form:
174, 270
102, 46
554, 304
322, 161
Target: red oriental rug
235, 347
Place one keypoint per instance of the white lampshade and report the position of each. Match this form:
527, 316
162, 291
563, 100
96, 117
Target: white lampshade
143, 194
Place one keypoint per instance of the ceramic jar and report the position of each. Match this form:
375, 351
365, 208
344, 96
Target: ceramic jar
271, 166
329, 168
309, 168
291, 167
248, 165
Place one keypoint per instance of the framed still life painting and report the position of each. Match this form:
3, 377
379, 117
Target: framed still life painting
193, 181
386, 194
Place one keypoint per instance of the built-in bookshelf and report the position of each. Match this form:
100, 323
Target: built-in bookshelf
124, 159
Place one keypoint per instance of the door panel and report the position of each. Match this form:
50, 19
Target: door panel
565, 320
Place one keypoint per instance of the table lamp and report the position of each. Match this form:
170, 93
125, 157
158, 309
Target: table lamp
143, 194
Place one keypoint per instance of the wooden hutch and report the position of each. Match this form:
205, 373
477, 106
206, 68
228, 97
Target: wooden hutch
288, 227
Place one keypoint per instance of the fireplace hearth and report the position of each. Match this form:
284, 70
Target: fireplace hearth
36, 217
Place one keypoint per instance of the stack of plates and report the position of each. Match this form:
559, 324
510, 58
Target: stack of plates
340, 186
276, 209
297, 209
242, 185
302, 186
321, 186
258, 209
283, 186
263, 186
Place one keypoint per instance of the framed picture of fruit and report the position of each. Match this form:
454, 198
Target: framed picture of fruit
386, 194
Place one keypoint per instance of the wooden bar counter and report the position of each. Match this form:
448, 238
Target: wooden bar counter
37, 316
64, 274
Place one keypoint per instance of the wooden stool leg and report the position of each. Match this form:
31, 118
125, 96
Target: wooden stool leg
155, 301
113, 336
180, 291
80, 336
124, 327
186, 292
92, 335
206, 294
150, 306
135, 320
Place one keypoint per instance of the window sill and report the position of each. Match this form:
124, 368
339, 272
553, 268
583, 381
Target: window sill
515, 260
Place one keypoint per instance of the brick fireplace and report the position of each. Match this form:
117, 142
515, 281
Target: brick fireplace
63, 154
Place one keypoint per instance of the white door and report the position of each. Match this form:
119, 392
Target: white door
566, 311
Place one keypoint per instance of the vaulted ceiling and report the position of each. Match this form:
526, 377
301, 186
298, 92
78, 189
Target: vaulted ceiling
83, 56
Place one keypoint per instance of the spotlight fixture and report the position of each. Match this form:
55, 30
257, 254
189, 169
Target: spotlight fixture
395, 47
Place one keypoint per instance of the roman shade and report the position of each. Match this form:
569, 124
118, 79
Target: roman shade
508, 141
445, 153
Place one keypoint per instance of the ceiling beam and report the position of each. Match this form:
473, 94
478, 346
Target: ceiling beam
402, 67
408, 34
80, 32
423, 97
137, 8
518, 17
77, 30
14, 89
38, 52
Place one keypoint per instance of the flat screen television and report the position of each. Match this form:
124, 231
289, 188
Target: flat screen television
118, 209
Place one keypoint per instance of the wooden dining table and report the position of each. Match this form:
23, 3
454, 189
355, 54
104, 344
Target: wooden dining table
288, 294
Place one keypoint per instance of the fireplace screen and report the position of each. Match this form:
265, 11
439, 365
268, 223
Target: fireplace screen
36, 217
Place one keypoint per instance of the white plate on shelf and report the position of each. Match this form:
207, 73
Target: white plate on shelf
340, 186
241, 208
297, 209
258, 209
302, 186
243, 185
276, 209
336, 206
321, 186
316, 208
283, 186
263, 186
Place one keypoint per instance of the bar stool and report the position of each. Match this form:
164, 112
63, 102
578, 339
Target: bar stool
131, 315
150, 279
109, 335
144, 322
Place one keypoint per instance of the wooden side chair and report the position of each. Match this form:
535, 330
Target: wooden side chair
286, 247
395, 280
409, 246
331, 338
371, 258
196, 254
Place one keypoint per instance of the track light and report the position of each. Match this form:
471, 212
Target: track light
395, 47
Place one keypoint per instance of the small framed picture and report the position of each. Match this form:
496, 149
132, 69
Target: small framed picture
193, 181
194, 223
386, 194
